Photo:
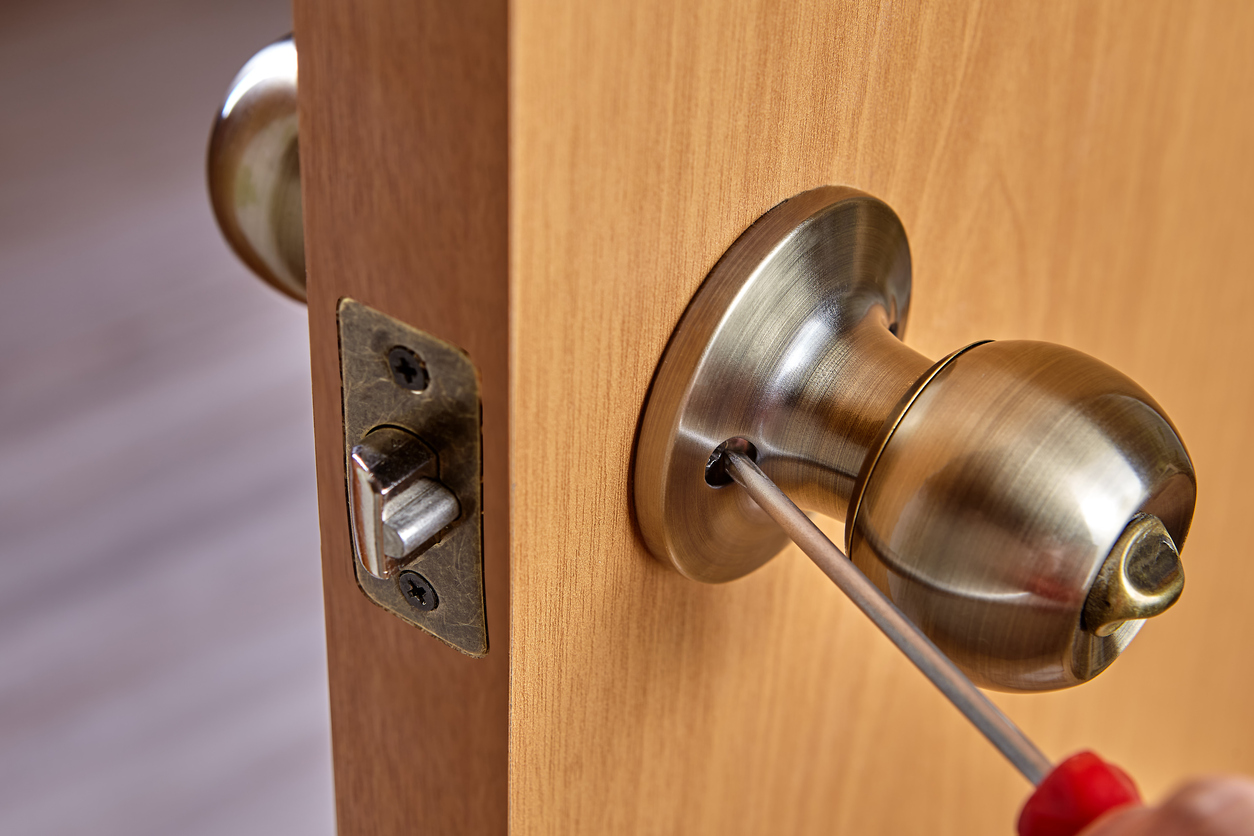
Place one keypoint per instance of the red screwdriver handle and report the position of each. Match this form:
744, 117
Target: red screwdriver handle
1074, 795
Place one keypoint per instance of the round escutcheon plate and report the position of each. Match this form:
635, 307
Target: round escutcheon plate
818, 282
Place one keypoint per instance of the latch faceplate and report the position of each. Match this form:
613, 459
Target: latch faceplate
413, 453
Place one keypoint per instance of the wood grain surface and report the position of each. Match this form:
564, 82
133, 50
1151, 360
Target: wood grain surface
1068, 171
403, 137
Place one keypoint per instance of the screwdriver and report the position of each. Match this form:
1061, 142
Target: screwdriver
1068, 796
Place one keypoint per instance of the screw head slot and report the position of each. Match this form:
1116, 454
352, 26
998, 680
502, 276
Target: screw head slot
716, 475
418, 591
408, 370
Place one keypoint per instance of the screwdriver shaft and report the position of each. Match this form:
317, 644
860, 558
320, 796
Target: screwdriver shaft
926, 656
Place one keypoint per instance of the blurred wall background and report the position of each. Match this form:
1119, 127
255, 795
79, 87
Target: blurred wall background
161, 643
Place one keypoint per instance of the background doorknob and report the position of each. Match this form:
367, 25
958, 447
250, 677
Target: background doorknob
997, 496
254, 169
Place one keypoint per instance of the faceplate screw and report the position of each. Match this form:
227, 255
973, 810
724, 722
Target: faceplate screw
408, 370
418, 591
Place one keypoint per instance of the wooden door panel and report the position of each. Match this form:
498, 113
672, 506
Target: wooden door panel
1071, 171
404, 166
1056, 166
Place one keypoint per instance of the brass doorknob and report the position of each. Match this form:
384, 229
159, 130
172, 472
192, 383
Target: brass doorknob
254, 169
1021, 502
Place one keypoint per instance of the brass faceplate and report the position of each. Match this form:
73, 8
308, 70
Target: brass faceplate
446, 416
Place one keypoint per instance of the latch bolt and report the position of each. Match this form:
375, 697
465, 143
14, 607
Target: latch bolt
398, 504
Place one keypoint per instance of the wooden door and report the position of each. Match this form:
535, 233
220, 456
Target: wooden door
546, 183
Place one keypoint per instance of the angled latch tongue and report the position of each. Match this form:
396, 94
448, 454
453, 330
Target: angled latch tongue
398, 505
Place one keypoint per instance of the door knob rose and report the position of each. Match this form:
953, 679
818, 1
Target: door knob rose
1022, 502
